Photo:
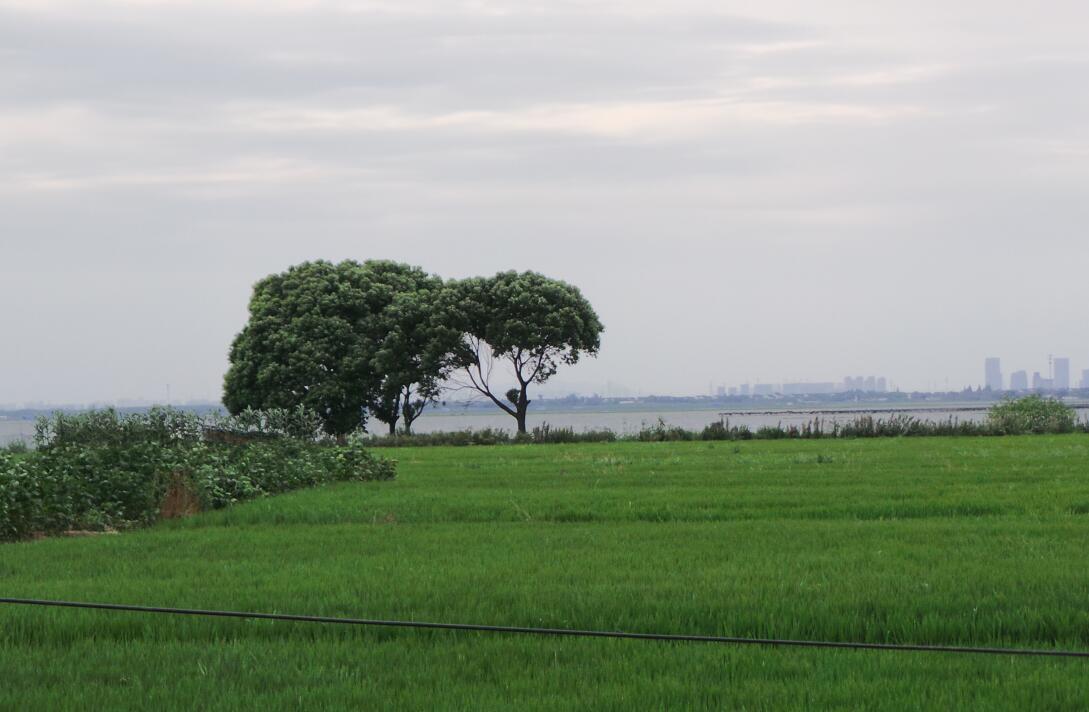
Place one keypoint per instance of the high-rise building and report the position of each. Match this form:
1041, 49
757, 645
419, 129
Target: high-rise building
744, 390
763, 389
1085, 378
1061, 376
1019, 381
992, 373
808, 389
1039, 383
869, 384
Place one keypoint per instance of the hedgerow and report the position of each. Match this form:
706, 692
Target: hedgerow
100, 470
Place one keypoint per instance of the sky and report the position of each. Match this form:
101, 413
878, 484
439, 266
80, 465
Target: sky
774, 191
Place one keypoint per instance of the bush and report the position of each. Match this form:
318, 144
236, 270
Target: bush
545, 433
16, 447
662, 432
299, 423
1032, 414
107, 427
99, 470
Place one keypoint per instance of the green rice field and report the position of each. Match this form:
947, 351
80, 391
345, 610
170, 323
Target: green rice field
958, 541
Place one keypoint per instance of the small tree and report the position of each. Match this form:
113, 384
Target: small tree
406, 345
526, 321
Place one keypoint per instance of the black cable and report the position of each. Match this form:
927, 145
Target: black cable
770, 642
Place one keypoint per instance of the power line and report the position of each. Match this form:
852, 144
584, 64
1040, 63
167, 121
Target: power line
555, 632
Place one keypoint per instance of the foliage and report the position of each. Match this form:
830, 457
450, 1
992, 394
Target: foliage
303, 345
407, 347
348, 339
1033, 414
108, 427
99, 470
16, 447
865, 426
549, 434
540, 435
531, 323
342, 340
299, 423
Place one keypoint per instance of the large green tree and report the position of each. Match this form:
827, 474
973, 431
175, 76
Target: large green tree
525, 322
342, 339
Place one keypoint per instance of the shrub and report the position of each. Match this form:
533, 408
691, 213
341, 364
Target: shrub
663, 432
722, 430
1032, 414
16, 447
99, 470
299, 423
107, 427
545, 433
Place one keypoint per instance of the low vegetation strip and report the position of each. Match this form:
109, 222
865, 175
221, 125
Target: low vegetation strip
1028, 415
100, 471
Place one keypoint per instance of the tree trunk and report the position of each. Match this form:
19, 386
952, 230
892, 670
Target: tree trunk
393, 427
521, 409
408, 413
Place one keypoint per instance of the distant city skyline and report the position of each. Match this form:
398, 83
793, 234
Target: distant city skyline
1057, 377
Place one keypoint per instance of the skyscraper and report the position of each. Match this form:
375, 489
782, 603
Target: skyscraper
992, 373
1061, 380
1019, 381
1085, 378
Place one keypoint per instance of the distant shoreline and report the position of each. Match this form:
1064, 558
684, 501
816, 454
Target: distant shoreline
861, 409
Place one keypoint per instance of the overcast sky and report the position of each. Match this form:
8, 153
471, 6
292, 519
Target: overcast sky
775, 191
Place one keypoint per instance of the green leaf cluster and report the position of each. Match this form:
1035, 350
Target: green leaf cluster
381, 338
531, 323
99, 470
1033, 414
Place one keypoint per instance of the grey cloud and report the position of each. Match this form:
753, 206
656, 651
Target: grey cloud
903, 196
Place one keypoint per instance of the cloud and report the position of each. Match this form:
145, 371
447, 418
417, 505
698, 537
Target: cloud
727, 172
676, 119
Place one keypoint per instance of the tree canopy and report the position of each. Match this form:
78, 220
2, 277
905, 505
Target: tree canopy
302, 345
529, 323
406, 346
342, 339
382, 338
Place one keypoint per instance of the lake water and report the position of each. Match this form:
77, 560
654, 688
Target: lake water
628, 422
617, 421
11, 430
